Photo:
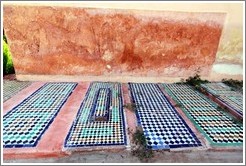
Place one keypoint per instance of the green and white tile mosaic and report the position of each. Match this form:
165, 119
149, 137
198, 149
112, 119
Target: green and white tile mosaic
24, 125
218, 127
100, 120
224, 93
11, 88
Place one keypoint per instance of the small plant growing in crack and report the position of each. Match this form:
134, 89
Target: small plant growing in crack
140, 148
219, 109
235, 85
131, 106
178, 105
195, 81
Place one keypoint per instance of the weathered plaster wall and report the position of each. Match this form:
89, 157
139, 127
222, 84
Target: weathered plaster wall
231, 44
103, 42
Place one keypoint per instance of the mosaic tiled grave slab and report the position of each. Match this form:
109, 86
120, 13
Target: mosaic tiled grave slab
218, 127
11, 88
24, 125
163, 127
100, 120
230, 98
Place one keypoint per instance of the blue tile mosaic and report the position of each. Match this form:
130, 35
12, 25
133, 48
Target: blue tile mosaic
100, 119
24, 125
163, 127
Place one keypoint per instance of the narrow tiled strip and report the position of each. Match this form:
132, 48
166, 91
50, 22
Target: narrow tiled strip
11, 88
101, 105
24, 125
231, 99
163, 127
218, 127
101, 100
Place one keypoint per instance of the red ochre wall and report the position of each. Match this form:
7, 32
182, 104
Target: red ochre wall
111, 42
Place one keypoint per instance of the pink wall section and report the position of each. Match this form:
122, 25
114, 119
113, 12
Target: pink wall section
97, 42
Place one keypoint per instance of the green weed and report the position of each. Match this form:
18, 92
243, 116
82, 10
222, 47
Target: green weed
234, 84
131, 106
140, 148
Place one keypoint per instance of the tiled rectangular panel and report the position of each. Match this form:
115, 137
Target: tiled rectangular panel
224, 93
163, 127
218, 127
11, 88
24, 125
101, 105
100, 120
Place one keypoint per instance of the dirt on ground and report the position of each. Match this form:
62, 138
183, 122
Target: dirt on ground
189, 156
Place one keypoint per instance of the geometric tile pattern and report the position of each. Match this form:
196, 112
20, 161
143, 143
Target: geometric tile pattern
24, 125
100, 119
231, 99
11, 88
218, 127
101, 105
162, 125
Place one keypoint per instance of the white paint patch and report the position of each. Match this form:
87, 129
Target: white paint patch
230, 69
107, 56
108, 66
